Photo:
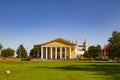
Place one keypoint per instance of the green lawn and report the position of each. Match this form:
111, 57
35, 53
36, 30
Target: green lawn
59, 70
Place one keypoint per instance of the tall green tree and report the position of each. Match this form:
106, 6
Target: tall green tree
7, 52
21, 52
1, 48
114, 46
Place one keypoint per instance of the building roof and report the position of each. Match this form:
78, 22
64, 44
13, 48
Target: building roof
61, 40
80, 45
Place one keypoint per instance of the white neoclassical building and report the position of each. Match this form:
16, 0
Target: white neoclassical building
59, 49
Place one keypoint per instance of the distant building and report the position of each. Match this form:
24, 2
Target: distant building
80, 49
59, 49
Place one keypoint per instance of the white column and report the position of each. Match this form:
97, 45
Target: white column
46, 52
76, 51
70, 52
41, 52
60, 52
65, 52
55, 52
50, 52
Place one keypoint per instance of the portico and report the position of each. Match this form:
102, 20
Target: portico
56, 52
57, 49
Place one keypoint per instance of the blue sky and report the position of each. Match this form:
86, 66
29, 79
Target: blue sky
32, 22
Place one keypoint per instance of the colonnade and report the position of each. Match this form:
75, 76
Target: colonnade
56, 52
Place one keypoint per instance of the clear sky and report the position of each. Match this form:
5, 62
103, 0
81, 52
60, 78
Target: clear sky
30, 22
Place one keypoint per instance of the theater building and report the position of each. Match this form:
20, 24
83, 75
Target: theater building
57, 49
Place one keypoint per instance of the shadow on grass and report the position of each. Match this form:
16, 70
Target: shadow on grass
111, 69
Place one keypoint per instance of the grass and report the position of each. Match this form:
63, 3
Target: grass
59, 70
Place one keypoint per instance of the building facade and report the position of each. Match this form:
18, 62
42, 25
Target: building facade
57, 49
80, 49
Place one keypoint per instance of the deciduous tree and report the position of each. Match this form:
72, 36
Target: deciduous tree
7, 52
114, 45
93, 51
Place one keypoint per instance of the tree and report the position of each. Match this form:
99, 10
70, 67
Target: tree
114, 46
86, 54
34, 50
105, 52
99, 51
21, 52
0, 48
93, 51
7, 52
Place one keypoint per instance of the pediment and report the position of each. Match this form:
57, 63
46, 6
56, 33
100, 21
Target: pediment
58, 42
